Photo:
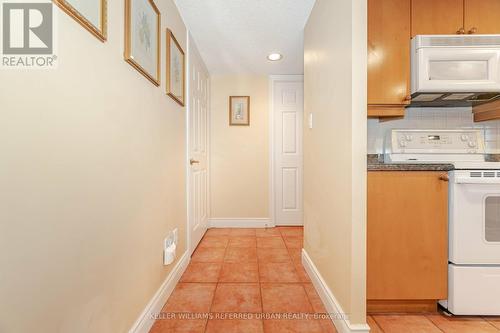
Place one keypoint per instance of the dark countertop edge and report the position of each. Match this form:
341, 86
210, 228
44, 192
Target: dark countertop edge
375, 163
493, 158
410, 167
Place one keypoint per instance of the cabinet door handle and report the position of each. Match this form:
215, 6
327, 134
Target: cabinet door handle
444, 178
191, 161
461, 31
473, 30
407, 98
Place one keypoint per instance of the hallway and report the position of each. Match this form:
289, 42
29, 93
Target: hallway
237, 275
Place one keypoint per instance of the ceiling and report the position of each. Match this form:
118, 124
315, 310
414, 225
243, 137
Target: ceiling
235, 36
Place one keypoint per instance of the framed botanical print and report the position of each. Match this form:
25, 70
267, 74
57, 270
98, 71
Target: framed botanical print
142, 38
176, 75
239, 110
91, 14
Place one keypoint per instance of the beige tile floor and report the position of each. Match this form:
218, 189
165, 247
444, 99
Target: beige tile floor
247, 272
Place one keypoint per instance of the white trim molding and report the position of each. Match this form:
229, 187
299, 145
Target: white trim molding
240, 223
342, 323
147, 318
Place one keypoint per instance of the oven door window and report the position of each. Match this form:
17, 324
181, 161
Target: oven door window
492, 219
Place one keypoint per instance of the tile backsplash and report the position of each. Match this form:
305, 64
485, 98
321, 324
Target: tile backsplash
433, 118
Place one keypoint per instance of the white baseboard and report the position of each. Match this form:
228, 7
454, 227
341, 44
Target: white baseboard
290, 224
240, 223
343, 325
146, 320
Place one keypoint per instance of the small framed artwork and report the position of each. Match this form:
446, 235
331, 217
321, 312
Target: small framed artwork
142, 38
176, 74
239, 110
91, 14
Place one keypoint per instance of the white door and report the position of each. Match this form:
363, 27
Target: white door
198, 106
288, 110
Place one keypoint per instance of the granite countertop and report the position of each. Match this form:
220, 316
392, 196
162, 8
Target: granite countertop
493, 158
376, 163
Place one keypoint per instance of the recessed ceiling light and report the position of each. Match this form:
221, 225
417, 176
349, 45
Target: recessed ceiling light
274, 57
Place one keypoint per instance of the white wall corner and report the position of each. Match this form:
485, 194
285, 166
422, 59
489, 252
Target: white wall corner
342, 324
240, 222
147, 318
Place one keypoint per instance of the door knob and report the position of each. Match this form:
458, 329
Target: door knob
191, 161
473, 30
461, 31
444, 178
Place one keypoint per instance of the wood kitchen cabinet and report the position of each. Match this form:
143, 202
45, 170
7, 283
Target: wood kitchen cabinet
445, 17
482, 16
436, 17
407, 235
388, 57
485, 112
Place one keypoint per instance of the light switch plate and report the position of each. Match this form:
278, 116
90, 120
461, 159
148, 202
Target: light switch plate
176, 235
169, 248
168, 241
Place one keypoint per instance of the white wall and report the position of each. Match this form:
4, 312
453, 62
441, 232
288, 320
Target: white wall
433, 118
92, 178
239, 155
335, 149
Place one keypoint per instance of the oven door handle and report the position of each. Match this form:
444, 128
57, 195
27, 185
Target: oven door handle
484, 181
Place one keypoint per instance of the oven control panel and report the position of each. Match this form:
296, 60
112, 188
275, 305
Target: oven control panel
437, 141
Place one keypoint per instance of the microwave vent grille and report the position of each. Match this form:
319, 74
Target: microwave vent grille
482, 41
485, 174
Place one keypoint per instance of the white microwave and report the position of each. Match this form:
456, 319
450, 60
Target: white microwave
455, 68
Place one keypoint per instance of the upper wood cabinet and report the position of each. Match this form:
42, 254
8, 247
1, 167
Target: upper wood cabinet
482, 16
436, 17
489, 111
388, 57
445, 17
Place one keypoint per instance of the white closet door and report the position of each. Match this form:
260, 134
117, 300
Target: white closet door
288, 109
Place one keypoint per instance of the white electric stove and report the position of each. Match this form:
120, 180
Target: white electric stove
474, 212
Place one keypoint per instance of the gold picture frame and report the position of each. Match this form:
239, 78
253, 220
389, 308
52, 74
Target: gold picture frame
174, 88
101, 32
239, 110
129, 52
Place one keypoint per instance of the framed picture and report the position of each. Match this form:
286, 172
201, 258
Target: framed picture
239, 110
142, 38
176, 74
91, 14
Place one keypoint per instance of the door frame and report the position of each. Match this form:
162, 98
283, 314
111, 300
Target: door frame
190, 40
272, 80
